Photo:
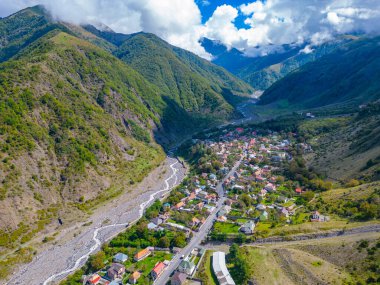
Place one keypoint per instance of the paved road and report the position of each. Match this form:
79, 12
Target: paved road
198, 236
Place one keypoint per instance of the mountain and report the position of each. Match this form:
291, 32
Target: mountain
184, 78
78, 125
349, 75
262, 71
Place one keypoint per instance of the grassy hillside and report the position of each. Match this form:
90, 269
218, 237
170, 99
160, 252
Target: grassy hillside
349, 75
195, 84
345, 148
75, 130
312, 262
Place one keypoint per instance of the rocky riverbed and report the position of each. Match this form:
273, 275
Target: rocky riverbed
76, 243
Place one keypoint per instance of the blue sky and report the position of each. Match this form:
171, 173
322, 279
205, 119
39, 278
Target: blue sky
256, 27
208, 7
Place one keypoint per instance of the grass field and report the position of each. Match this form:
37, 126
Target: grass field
354, 193
227, 228
309, 227
312, 262
205, 271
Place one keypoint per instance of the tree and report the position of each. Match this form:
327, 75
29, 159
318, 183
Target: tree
179, 240
97, 260
164, 242
241, 238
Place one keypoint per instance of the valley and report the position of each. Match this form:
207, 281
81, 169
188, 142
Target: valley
125, 159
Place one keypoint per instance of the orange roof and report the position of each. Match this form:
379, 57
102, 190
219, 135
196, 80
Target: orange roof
179, 205
94, 279
142, 253
159, 268
195, 220
135, 275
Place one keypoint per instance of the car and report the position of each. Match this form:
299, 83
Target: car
182, 256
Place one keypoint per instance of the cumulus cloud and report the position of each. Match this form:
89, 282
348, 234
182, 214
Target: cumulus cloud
269, 23
273, 23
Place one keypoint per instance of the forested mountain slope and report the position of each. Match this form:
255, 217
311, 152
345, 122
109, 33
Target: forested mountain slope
78, 125
349, 75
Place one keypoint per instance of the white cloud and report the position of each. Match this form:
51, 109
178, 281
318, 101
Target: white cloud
271, 23
295, 22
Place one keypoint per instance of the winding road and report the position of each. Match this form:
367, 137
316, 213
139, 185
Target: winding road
57, 262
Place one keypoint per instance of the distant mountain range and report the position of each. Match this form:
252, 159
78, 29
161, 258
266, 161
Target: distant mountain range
262, 71
349, 75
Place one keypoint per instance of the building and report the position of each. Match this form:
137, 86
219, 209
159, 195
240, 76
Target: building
157, 270
186, 266
157, 221
134, 277
142, 254
94, 279
120, 258
220, 269
179, 205
116, 271
264, 216
248, 228
178, 278
317, 217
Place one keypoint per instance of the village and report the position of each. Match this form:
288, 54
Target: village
238, 187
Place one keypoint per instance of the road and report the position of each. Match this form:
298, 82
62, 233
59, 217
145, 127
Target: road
199, 236
55, 263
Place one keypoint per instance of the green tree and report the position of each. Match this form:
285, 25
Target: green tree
164, 242
97, 260
179, 240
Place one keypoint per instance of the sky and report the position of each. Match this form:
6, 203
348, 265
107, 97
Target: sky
256, 27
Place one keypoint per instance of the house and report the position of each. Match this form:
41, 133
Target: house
220, 269
199, 206
134, 277
157, 270
263, 192
178, 278
284, 212
248, 228
202, 195
186, 266
282, 199
212, 176
209, 208
116, 271
264, 216
195, 221
157, 221
222, 219
142, 254
317, 217
270, 187
151, 226
192, 196
166, 205
94, 279
261, 207
298, 190
179, 205
120, 258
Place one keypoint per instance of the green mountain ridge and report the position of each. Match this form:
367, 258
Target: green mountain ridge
262, 71
78, 125
349, 75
